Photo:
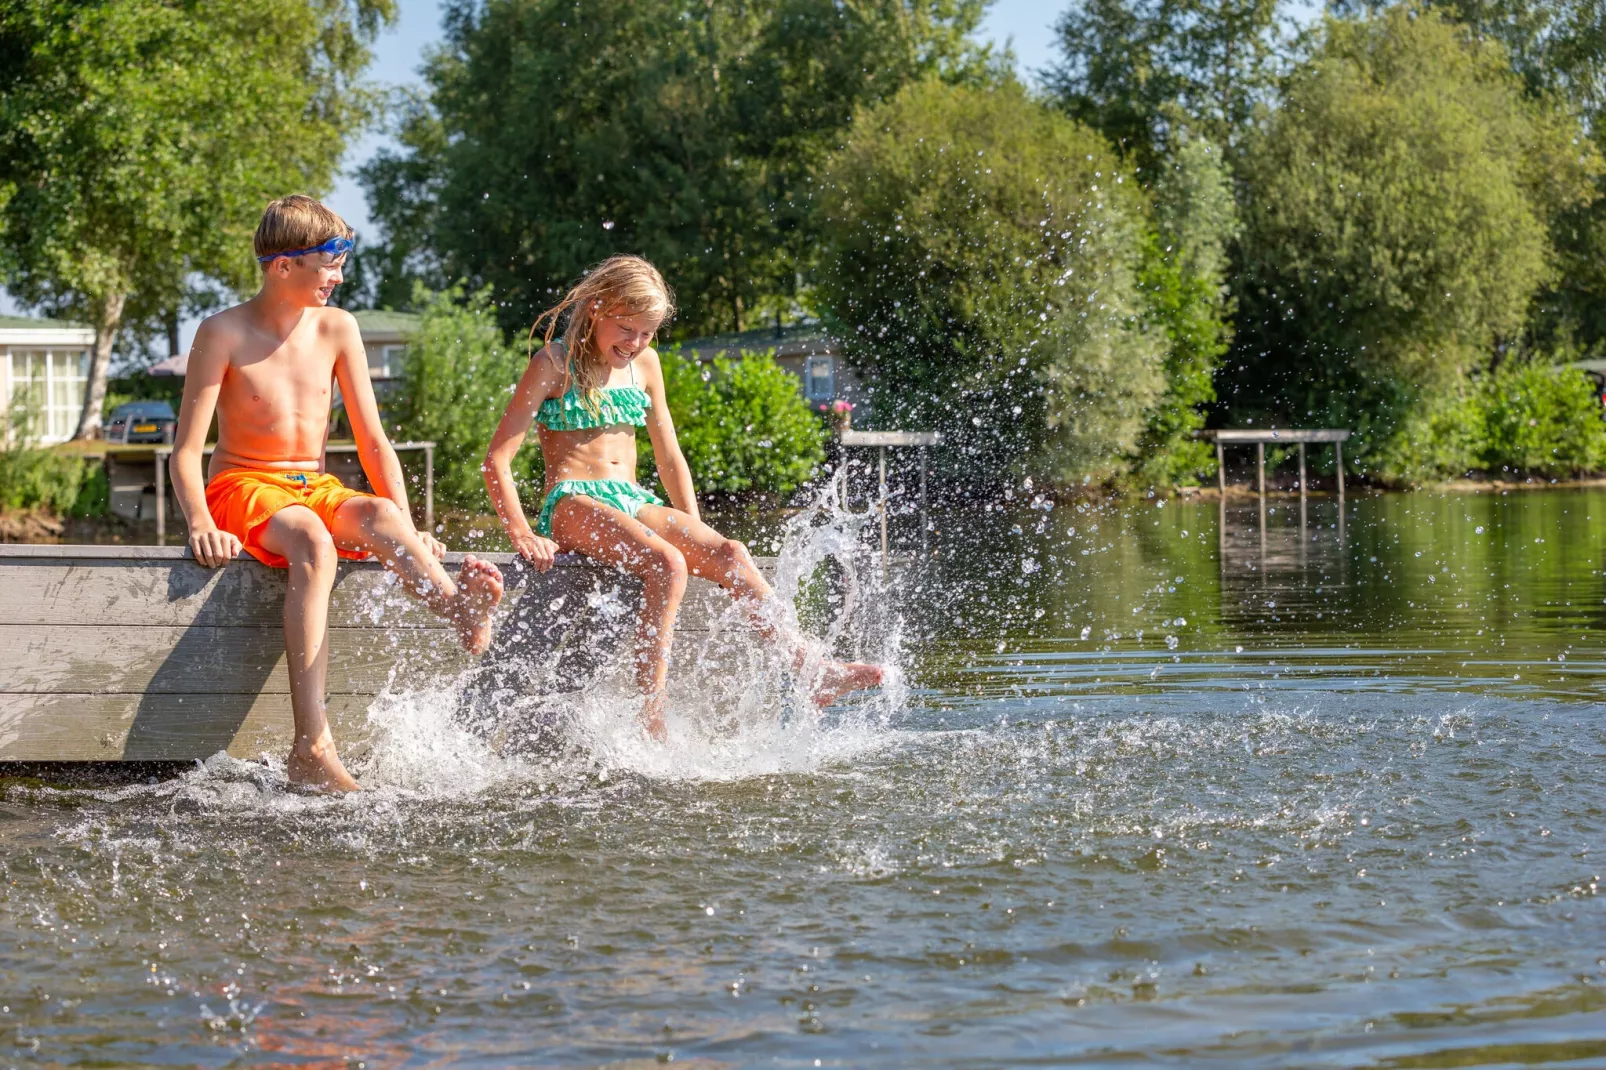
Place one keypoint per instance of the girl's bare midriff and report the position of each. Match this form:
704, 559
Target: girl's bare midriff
600, 453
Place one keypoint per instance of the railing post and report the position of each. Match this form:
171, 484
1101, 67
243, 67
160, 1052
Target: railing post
429, 488
1221, 467
161, 500
1260, 466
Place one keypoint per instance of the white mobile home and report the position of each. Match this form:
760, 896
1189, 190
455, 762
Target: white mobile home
45, 363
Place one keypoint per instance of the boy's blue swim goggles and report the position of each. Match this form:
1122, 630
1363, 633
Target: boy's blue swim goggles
334, 247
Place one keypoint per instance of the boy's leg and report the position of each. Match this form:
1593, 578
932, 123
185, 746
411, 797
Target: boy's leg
296, 534
377, 526
603, 533
726, 562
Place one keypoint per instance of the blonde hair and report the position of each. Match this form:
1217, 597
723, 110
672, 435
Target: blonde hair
622, 282
297, 222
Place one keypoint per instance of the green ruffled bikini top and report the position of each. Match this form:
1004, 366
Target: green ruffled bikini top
617, 405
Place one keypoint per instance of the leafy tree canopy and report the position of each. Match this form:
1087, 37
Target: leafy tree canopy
556, 133
1140, 71
140, 139
1395, 224
981, 259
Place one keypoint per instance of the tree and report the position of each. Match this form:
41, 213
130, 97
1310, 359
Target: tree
556, 133
1395, 222
456, 379
1140, 70
139, 140
1559, 49
980, 264
1184, 284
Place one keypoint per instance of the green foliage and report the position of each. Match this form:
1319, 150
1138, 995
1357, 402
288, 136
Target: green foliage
1140, 70
1559, 48
1525, 418
1539, 419
1395, 224
1184, 285
741, 423
556, 133
140, 139
456, 380
32, 477
980, 265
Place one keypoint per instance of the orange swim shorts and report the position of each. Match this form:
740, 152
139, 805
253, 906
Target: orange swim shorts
243, 500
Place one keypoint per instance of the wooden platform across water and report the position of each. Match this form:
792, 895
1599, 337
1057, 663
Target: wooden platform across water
113, 653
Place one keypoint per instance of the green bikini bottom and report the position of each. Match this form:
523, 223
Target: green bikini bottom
624, 496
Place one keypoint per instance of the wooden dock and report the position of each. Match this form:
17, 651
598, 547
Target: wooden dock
135, 653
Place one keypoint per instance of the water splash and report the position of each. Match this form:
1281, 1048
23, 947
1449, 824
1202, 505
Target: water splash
738, 704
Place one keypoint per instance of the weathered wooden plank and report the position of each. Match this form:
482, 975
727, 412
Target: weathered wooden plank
78, 728
179, 593
45, 659
1274, 435
142, 655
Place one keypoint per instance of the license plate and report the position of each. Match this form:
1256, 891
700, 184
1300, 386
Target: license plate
145, 427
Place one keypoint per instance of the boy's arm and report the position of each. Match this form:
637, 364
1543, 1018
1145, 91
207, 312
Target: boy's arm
673, 471
379, 462
541, 379
209, 359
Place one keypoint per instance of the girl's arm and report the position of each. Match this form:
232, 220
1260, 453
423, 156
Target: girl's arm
540, 380
673, 472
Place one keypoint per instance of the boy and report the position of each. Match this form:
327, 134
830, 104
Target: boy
267, 367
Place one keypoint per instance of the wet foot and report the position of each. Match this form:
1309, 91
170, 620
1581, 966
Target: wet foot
838, 678
652, 718
318, 766
479, 589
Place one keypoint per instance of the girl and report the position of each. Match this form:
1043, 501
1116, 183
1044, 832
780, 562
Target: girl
588, 392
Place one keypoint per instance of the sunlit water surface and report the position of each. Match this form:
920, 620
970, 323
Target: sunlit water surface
1148, 790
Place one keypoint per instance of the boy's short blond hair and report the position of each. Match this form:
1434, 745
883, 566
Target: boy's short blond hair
297, 222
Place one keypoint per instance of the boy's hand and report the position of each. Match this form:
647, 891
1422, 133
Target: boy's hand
538, 551
213, 549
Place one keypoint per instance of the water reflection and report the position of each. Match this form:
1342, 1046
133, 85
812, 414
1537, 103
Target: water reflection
1173, 785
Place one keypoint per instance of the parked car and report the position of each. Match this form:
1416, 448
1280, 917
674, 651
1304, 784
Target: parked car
141, 421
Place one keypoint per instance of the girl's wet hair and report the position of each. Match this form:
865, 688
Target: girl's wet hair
622, 284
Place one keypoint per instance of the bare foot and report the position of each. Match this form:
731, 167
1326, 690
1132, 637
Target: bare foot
317, 765
479, 589
652, 718
837, 678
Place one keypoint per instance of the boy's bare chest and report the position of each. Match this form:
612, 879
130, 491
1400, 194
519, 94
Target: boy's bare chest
287, 377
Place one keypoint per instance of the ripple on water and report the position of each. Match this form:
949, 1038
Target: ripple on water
1003, 862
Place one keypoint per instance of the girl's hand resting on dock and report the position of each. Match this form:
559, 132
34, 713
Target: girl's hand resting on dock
213, 549
538, 551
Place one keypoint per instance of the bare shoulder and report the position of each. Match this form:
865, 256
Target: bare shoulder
336, 321
652, 366
217, 338
223, 326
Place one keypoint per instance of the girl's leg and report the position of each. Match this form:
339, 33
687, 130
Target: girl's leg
712, 556
601, 532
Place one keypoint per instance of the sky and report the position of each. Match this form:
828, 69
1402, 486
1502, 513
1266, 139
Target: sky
1024, 25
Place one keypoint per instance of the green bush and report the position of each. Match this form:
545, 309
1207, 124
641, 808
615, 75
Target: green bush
981, 264
456, 380
741, 423
1524, 419
1396, 211
1540, 420
34, 477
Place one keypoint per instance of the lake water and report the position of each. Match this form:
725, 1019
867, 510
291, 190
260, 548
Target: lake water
1148, 790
